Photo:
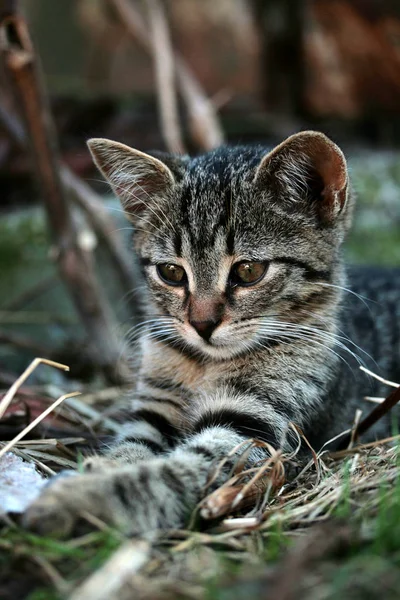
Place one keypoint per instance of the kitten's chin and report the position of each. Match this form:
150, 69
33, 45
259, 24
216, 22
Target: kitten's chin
221, 351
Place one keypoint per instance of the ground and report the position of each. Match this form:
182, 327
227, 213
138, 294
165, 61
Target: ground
333, 532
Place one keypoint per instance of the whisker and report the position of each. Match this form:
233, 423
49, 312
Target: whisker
363, 299
322, 334
310, 333
342, 336
154, 329
292, 335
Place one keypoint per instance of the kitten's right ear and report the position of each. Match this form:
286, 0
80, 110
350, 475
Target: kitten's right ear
134, 176
310, 167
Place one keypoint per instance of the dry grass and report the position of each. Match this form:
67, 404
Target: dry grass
347, 501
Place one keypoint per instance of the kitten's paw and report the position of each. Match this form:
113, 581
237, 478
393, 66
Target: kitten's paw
64, 503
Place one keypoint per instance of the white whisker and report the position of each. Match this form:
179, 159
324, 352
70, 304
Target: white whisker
363, 299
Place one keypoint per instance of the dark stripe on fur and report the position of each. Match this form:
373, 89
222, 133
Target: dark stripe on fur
162, 384
204, 451
282, 407
149, 398
165, 427
122, 493
242, 423
171, 480
144, 262
153, 446
311, 272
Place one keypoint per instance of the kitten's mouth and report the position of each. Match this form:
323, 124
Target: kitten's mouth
218, 343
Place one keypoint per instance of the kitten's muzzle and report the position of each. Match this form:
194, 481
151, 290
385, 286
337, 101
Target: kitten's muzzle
205, 329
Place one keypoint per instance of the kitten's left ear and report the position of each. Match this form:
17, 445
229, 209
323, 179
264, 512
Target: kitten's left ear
308, 164
137, 178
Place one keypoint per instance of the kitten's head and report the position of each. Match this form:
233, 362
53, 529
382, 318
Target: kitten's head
235, 241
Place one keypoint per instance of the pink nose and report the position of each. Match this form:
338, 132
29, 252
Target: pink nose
205, 328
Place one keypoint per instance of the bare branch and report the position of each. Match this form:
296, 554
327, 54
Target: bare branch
165, 77
104, 226
204, 125
91, 204
73, 261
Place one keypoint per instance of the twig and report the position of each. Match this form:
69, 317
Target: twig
379, 378
374, 399
377, 413
8, 397
53, 575
357, 418
32, 425
342, 453
204, 125
106, 582
165, 77
74, 262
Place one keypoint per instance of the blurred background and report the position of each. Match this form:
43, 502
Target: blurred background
177, 75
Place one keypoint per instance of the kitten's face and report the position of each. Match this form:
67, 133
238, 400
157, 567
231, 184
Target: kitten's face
236, 242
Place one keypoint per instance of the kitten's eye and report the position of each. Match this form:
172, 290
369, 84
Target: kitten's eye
247, 273
172, 274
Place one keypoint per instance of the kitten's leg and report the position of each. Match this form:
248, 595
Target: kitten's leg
152, 427
159, 493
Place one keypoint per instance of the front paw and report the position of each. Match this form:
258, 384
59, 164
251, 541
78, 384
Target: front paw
137, 499
65, 503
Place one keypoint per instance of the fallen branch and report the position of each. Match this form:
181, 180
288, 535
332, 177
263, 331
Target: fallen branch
73, 261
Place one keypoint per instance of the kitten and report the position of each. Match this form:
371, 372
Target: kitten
249, 324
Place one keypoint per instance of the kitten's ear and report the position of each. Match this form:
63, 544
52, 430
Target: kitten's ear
134, 176
309, 164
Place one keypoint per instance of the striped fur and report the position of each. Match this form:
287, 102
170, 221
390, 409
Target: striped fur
284, 350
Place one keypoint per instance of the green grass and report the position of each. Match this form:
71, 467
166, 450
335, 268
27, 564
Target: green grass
73, 560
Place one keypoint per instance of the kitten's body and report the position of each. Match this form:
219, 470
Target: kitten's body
222, 359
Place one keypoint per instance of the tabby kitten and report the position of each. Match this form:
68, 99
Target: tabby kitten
249, 325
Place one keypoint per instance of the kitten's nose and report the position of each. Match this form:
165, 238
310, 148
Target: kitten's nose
205, 328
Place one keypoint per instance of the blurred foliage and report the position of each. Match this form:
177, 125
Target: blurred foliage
375, 237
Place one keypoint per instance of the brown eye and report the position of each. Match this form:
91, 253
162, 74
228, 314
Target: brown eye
172, 274
247, 273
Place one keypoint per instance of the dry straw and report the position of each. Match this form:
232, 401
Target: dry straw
9, 396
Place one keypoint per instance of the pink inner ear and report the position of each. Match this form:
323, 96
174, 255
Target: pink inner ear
306, 155
136, 197
329, 162
135, 177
